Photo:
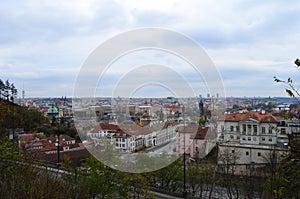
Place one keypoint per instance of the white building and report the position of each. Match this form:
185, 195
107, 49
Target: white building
132, 137
124, 141
252, 136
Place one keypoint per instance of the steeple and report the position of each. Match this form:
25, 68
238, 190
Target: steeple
201, 106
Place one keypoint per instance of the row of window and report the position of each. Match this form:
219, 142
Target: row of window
247, 153
119, 145
255, 139
251, 128
270, 139
120, 139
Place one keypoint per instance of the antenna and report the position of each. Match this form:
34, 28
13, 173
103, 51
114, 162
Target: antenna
23, 96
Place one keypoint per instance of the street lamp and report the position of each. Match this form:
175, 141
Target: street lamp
184, 193
57, 145
57, 139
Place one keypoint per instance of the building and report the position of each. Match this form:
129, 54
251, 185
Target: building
164, 132
52, 112
195, 140
252, 136
124, 141
132, 137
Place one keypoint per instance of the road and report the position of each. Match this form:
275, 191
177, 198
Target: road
167, 148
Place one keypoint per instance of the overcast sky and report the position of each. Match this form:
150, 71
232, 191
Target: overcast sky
43, 44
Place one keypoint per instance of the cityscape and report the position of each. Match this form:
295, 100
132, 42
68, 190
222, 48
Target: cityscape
227, 137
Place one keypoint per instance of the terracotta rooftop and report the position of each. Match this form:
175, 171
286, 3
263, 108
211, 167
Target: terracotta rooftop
190, 128
109, 127
261, 117
198, 132
121, 133
134, 129
105, 127
201, 133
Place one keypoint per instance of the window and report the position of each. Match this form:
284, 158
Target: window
270, 139
232, 151
247, 152
263, 129
237, 128
244, 138
238, 137
231, 128
255, 129
231, 137
282, 131
263, 139
258, 154
249, 138
270, 129
254, 138
249, 128
244, 128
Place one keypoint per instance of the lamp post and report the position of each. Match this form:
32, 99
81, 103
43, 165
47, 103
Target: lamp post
57, 139
184, 193
58, 151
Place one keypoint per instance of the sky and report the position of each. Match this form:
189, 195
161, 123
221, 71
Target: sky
44, 44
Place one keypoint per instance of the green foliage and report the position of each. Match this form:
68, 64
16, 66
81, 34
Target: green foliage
169, 178
14, 116
297, 62
290, 89
26, 179
104, 182
283, 181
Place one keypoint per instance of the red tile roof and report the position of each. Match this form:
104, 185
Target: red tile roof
201, 133
76, 156
134, 129
190, 128
121, 133
261, 117
198, 132
109, 127
26, 137
104, 127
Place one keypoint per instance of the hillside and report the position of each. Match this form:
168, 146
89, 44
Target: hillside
13, 116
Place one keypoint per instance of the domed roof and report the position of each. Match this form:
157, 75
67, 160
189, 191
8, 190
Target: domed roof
53, 110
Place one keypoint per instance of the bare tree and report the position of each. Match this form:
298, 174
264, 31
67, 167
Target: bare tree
229, 158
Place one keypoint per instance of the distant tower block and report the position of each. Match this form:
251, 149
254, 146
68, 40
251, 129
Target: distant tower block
208, 95
217, 95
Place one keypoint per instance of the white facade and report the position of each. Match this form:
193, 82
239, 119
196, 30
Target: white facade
125, 143
165, 135
253, 135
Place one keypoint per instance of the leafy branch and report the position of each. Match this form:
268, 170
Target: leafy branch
290, 89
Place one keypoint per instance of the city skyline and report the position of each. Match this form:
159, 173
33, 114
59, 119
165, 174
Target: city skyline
44, 45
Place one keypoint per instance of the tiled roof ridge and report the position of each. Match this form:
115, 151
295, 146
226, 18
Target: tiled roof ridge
260, 116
